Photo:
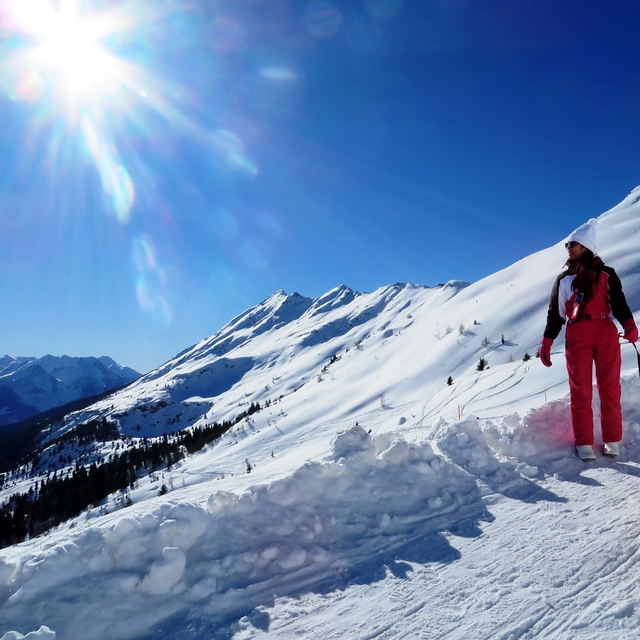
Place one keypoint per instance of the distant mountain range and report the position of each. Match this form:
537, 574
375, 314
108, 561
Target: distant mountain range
29, 386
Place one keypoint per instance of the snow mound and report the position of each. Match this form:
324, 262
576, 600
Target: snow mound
375, 505
329, 522
44, 633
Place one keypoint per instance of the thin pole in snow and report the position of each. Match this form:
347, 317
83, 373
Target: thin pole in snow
545, 394
459, 413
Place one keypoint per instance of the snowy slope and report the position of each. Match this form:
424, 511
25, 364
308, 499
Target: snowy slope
382, 502
285, 342
29, 386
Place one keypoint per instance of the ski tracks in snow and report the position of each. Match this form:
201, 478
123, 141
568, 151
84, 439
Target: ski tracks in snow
600, 593
576, 576
559, 560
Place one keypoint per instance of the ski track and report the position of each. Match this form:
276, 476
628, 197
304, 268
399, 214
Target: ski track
588, 590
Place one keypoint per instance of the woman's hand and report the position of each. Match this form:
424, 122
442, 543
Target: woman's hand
545, 351
630, 330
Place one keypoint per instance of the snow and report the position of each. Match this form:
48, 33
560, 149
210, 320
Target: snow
382, 502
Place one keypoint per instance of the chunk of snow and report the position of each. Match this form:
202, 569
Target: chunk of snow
165, 573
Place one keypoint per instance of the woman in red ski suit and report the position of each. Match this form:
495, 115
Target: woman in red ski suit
585, 296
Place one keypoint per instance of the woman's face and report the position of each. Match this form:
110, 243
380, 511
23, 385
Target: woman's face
575, 250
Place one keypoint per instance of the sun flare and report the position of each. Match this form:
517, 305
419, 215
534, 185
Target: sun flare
66, 52
71, 47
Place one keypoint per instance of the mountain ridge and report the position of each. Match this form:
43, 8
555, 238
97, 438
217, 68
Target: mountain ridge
287, 340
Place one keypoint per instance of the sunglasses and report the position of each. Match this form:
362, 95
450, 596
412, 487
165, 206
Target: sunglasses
571, 244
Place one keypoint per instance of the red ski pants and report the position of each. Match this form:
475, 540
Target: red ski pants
590, 341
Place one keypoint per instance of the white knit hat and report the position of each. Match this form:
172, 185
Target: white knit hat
585, 235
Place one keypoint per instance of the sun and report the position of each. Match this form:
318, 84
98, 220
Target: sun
71, 48
71, 51
66, 50
61, 65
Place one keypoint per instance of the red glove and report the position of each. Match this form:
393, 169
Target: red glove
545, 351
630, 330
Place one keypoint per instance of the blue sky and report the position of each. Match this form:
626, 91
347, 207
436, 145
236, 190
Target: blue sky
166, 164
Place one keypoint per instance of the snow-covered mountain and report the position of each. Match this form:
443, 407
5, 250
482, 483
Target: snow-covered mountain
370, 496
29, 386
289, 341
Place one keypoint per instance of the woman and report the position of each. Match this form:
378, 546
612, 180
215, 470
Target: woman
585, 296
